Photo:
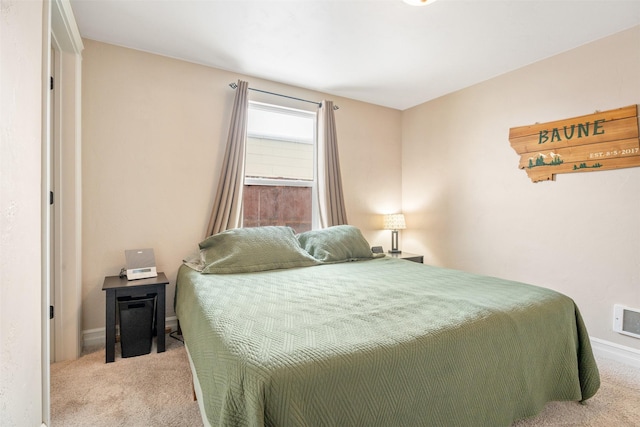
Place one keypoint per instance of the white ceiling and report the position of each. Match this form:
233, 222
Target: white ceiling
379, 51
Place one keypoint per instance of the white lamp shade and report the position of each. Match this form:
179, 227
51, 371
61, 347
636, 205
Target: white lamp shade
394, 222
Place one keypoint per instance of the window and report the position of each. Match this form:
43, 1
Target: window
280, 184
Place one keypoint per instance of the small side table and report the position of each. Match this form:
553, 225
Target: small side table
117, 286
409, 257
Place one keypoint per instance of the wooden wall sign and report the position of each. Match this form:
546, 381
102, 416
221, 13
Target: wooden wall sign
600, 141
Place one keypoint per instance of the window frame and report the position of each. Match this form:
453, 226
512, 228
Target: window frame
315, 208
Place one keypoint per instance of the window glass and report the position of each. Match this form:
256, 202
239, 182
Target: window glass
280, 168
280, 123
274, 158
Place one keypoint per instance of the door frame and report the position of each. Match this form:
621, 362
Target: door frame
66, 139
61, 38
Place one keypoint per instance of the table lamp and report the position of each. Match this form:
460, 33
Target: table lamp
394, 222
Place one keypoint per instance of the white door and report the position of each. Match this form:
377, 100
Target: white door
51, 228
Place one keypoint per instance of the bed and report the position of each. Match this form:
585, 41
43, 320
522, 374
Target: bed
313, 330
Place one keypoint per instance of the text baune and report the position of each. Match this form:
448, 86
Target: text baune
569, 132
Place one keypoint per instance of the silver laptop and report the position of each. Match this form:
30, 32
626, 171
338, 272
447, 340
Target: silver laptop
141, 263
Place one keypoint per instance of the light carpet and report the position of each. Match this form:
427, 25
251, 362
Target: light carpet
617, 402
155, 390
150, 390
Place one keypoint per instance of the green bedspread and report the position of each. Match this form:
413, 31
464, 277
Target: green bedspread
384, 342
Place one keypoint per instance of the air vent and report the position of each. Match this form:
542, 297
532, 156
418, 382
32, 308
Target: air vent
626, 320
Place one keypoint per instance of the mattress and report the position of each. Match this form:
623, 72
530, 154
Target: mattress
382, 342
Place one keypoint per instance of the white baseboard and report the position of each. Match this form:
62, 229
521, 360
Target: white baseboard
620, 353
96, 337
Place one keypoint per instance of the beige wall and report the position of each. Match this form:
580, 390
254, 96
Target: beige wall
469, 206
154, 132
21, 362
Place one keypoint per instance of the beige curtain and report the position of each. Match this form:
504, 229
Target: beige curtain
227, 206
331, 199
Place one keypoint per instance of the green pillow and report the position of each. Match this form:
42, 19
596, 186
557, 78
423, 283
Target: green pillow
339, 243
245, 250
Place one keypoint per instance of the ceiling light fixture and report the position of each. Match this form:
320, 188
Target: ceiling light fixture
418, 2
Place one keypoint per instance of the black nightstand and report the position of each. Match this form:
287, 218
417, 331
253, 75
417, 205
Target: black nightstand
117, 286
409, 257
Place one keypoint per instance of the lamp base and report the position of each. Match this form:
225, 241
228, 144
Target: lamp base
394, 243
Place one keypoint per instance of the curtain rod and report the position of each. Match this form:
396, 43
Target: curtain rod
319, 104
